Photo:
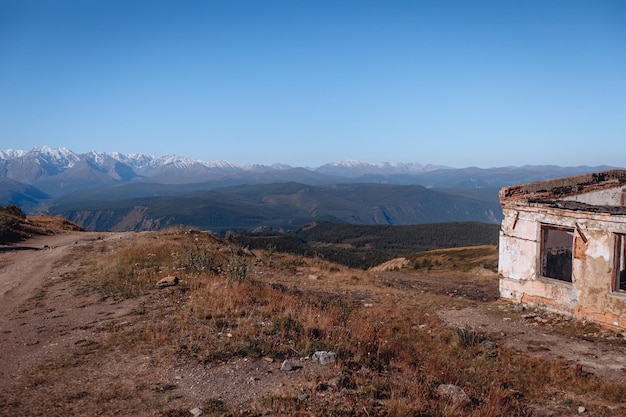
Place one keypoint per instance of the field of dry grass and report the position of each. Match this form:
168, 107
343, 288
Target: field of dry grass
217, 339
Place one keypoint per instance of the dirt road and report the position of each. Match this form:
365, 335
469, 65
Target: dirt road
37, 307
25, 266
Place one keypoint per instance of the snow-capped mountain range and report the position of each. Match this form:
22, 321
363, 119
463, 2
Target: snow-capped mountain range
36, 178
39, 163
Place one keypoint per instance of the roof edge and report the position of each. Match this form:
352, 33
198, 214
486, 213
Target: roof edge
564, 187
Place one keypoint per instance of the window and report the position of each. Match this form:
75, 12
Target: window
556, 252
620, 262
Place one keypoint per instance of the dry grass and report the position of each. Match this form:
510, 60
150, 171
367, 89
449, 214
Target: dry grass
15, 226
458, 259
393, 351
52, 223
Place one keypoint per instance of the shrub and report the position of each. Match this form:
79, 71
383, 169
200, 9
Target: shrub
237, 269
196, 259
14, 210
466, 336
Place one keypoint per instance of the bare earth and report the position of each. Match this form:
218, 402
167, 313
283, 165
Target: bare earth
529, 334
24, 271
43, 318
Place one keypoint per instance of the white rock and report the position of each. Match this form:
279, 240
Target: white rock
452, 393
286, 365
323, 357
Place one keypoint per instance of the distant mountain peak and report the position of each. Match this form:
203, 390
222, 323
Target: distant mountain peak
12, 153
352, 168
351, 163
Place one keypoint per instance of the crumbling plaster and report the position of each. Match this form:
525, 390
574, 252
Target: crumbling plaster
527, 208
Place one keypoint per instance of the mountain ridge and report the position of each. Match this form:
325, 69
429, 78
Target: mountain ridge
116, 191
43, 166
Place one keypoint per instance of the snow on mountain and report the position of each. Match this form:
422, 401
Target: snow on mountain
354, 169
45, 164
60, 158
28, 167
10, 153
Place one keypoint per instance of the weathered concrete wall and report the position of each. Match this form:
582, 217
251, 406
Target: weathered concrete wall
591, 293
519, 245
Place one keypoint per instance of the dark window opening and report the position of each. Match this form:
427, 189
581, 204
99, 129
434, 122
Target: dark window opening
556, 252
620, 262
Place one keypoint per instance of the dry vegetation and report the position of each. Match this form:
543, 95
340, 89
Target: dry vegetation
16, 226
393, 351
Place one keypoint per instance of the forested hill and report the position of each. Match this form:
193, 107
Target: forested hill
363, 246
283, 206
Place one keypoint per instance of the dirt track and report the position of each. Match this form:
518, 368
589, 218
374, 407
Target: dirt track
24, 267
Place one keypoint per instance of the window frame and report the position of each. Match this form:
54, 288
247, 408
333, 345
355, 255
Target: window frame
543, 254
619, 263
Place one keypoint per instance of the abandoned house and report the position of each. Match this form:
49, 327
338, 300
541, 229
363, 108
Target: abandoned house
563, 246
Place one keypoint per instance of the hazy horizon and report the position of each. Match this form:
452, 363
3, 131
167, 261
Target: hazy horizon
343, 162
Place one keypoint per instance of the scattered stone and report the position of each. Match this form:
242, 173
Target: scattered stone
452, 393
268, 359
286, 366
196, 412
323, 357
303, 396
581, 409
246, 251
489, 344
334, 382
168, 282
368, 305
313, 277
519, 308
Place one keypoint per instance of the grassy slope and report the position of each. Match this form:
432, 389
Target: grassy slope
363, 246
393, 352
17, 227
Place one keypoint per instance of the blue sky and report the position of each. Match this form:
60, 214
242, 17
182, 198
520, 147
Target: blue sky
457, 83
